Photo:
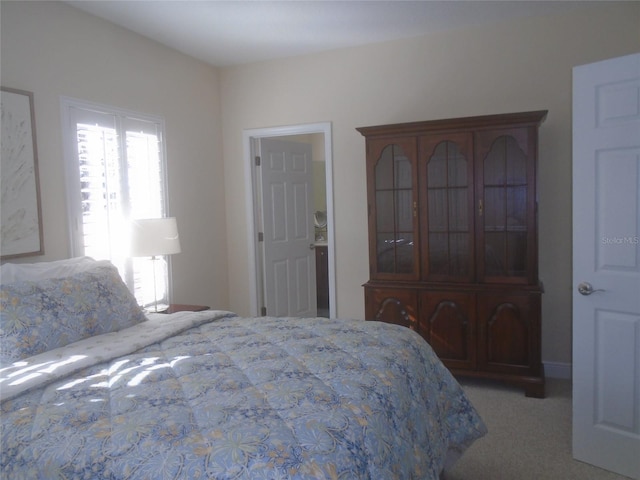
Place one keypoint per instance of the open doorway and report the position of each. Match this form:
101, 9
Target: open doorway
318, 136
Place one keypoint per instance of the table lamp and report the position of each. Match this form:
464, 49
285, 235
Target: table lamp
153, 237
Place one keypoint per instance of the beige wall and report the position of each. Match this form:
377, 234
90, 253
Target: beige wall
52, 49
519, 66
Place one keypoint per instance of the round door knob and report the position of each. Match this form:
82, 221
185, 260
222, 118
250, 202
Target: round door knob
585, 288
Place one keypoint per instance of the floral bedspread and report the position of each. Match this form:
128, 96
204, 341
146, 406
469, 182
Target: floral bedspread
245, 398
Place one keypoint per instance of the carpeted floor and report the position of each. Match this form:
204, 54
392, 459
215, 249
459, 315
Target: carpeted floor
528, 439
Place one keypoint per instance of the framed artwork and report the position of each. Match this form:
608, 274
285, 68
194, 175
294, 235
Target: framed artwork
20, 213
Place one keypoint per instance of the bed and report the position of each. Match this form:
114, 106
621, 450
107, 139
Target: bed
91, 387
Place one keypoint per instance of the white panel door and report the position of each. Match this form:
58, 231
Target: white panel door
289, 235
606, 264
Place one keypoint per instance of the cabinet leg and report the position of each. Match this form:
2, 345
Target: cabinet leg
535, 390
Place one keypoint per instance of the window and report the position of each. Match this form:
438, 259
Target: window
116, 172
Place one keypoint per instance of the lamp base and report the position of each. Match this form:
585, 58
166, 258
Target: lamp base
158, 308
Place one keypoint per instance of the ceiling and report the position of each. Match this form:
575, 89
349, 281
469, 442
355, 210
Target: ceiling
234, 32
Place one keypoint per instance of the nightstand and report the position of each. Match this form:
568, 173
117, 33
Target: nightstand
180, 307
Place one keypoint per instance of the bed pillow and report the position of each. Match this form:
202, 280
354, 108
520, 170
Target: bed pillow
19, 272
37, 316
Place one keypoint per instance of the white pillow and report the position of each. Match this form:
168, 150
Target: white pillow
30, 272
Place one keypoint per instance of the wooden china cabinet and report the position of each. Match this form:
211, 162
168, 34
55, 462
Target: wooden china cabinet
453, 250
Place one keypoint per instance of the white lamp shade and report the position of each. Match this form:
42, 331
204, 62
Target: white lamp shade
154, 236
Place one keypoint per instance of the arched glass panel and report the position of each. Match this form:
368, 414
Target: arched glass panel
505, 212
449, 221
394, 212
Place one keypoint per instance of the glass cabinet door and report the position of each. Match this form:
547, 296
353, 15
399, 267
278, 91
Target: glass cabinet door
394, 211
503, 211
447, 181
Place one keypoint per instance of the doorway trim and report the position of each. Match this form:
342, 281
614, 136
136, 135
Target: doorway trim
249, 141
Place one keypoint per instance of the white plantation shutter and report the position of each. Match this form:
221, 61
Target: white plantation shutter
116, 172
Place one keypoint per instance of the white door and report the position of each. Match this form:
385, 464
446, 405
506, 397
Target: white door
606, 264
287, 217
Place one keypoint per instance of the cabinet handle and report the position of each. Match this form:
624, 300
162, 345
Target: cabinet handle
480, 207
415, 209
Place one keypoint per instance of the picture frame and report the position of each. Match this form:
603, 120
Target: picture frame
20, 211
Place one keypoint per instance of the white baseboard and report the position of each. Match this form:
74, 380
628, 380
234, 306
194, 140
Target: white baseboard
557, 370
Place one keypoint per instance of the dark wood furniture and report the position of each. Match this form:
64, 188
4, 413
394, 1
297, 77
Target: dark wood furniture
322, 279
182, 307
453, 250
